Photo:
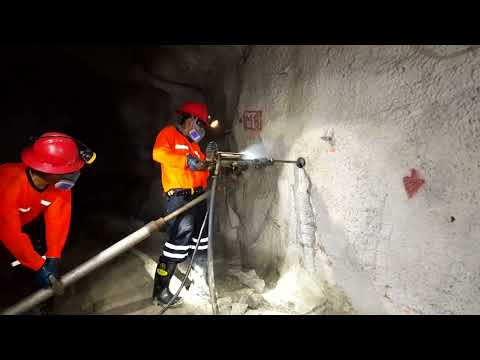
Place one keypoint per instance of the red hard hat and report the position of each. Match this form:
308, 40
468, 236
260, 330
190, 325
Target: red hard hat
53, 153
196, 109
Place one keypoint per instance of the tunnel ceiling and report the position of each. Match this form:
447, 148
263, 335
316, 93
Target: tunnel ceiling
188, 64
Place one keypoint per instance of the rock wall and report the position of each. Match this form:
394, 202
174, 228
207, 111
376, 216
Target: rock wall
357, 218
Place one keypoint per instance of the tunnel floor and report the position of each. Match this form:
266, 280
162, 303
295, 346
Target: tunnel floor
124, 286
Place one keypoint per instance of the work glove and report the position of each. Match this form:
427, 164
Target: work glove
49, 268
194, 163
52, 265
211, 150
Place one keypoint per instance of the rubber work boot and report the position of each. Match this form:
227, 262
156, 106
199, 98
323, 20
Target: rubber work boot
161, 292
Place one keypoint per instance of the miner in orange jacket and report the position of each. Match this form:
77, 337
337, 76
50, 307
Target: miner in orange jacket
184, 177
40, 185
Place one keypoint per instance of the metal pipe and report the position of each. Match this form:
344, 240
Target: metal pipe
101, 258
211, 277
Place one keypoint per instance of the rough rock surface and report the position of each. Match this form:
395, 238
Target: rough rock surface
363, 117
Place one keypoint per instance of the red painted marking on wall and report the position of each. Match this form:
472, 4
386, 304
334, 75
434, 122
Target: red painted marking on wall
412, 183
252, 120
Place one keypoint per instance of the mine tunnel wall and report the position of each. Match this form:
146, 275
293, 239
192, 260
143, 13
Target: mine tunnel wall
381, 111
47, 89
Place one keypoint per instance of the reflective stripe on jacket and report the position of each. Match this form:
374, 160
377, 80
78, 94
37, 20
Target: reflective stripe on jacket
20, 203
170, 150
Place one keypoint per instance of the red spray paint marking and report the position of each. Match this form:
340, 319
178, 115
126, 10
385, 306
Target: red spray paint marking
252, 120
412, 183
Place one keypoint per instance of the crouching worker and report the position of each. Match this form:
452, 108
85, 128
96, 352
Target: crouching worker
41, 184
184, 177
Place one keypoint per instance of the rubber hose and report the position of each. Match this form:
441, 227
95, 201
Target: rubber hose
211, 278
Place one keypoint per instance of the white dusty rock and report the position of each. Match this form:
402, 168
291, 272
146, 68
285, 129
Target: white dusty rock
224, 305
247, 296
298, 291
265, 312
241, 295
238, 309
254, 301
250, 279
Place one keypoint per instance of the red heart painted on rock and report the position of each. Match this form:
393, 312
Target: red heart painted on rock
412, 183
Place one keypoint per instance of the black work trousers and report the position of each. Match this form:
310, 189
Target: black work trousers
184, 230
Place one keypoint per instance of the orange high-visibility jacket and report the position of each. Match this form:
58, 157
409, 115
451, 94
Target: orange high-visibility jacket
20, 203
170, 150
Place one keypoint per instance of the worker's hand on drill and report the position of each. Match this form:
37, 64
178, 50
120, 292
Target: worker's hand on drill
49, 268
195, 164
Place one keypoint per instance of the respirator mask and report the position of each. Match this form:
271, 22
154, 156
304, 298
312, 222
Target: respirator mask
198, 131
67, 181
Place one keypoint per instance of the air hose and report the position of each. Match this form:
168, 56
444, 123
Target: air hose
211, 211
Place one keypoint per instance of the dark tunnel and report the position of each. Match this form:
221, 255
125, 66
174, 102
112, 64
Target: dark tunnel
115, 100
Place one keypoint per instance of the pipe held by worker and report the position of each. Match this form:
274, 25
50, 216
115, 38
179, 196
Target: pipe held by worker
40, 185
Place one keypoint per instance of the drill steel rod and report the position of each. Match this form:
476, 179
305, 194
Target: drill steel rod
102, 258
300, 162
285, 161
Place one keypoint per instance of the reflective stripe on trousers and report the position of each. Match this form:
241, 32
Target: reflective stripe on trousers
184, 230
